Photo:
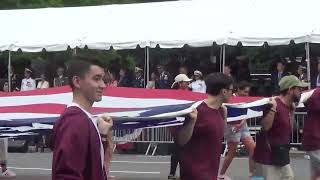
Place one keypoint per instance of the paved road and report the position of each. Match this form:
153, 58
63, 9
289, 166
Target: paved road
37, 166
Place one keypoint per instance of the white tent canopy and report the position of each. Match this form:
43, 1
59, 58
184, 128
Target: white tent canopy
167, 24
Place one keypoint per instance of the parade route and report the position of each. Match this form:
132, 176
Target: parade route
37, 166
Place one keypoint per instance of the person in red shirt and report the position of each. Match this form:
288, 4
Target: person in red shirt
200, 137
78, 138
311, 132
237, 132
181, 82
272, 149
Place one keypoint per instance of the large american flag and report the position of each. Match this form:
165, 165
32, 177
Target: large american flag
29, 112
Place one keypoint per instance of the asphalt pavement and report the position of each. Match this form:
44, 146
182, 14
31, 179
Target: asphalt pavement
37, 166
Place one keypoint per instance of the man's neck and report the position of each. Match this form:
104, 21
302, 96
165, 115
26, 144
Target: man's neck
82, 102
214, 102
287, 100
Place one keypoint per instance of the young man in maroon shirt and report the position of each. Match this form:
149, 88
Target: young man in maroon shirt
200, 138
78, 138
311, 132
276, 126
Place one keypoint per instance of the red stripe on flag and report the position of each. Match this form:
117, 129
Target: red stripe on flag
133, 93
55, 109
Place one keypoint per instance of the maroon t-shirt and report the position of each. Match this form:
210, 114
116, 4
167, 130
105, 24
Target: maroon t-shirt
200, 157
279, 133
311, 130
76, 147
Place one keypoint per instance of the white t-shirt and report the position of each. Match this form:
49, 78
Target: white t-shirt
43, 85
198, 86
28, 84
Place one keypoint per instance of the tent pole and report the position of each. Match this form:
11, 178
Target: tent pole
74, 51
220, 61
9, 71
145, 67
307, 47
223, 57
148, 63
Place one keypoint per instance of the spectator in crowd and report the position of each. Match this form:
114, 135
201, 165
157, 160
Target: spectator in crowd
183, 70
113, 80
243, 72
28, 83
181, 82
227, 70
301, 73
311, 133
5, 172
139, 80
198, 85
236, 132
5, 87
15, 80
61, 79
154, 81
126, 77
200, 137
43, 83
272, 149
315, 82
277, 76
106, 77
164, 78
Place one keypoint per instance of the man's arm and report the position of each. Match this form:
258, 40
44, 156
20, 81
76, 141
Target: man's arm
71, 149
185, 133
267, 120
312, 100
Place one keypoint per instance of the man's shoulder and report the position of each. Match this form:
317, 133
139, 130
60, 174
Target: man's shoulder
72, 115
316, 94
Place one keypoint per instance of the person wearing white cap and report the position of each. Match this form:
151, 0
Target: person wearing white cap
198, 85
181, 81
28, 83
139, 80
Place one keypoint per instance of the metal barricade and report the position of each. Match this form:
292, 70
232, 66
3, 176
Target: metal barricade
153, 136
297, 128
159, 135
147, 135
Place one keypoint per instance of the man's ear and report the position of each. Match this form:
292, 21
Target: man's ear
76, 81
223, 91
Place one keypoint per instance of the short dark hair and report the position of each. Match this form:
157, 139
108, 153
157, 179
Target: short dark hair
215, 82
243, 84
281, 62
79, 66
